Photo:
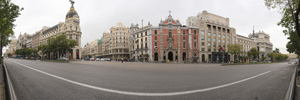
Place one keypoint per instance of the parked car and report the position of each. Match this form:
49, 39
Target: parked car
63, 58
92, 59
97, 59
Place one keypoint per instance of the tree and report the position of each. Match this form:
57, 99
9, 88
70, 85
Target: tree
253, 53
58, 45
43, 49
234, 49
290, 20
8, 14
9, 55
276, 50
287, 6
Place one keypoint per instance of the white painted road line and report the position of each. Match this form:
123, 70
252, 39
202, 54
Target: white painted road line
140, 93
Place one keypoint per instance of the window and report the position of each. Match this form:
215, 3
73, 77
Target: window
155, 44
223, 41
214, 40
145, 33
208, 34
184, 45
170, 32
208, 39
195, 32
202, 49
219, 41
228, 42
155, 38
202, 38
214, 34
195, 38
208, 44
219, 35
202, 32
155, 31
70, 36
76, 28
224, 36
183, 37
202, 43
146, 45
76, 37
209, 50
195, 44
183, 32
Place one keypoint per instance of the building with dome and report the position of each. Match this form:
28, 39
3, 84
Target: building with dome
71, 28
115, 45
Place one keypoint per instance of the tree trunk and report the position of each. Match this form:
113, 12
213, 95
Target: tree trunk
297, 20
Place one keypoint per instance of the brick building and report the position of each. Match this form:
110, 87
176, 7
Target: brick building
169, 41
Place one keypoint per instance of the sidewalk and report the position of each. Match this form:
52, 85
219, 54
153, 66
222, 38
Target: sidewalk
2, 83
297, 90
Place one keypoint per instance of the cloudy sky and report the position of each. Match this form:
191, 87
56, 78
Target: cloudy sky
97, 16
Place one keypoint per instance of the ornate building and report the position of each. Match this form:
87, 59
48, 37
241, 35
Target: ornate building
264, 46
115, 44
170, 41
71, 28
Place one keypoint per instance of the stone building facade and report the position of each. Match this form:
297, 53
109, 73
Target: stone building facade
71, 28
246, 43
216, 34
12, 47
264, 46
116, 43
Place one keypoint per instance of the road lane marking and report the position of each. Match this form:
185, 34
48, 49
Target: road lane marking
141, 93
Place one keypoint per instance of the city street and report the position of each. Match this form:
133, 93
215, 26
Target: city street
87, 80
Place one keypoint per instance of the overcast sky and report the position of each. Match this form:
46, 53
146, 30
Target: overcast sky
97, 16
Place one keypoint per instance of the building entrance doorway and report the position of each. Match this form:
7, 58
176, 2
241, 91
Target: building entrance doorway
155, 56
170, 56
203, 58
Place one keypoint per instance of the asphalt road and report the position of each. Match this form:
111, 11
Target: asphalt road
80, 80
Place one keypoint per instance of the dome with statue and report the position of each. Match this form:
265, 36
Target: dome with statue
72, 12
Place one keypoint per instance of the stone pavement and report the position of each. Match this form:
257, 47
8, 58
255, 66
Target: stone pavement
2, 82
297, 97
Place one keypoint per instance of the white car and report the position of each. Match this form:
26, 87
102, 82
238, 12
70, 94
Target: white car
97, 59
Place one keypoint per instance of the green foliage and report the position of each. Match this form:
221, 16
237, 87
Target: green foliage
275, 57
27, 52
276, 50
234, 49
290, 21
9, 55
59, 44
253, 53
8, 14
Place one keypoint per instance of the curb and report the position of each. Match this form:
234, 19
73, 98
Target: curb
10, 93
291, 90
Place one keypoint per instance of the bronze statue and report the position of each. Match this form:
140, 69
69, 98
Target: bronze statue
72, 2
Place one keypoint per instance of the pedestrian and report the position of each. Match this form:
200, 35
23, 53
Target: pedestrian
122, 60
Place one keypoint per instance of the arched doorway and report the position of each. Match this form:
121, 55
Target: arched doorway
170, 56
156, 56
183, 56
203, 58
